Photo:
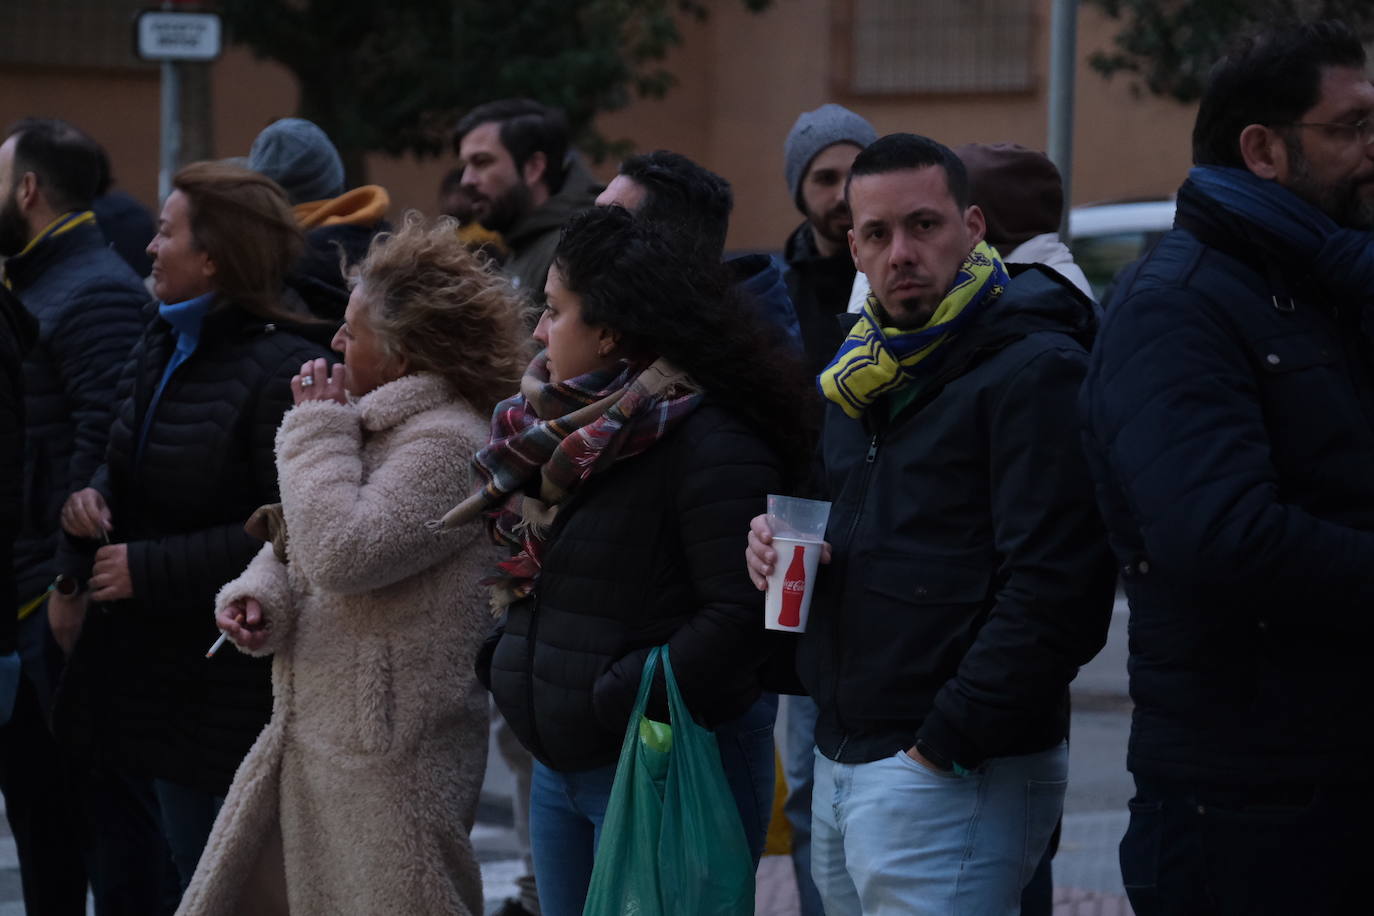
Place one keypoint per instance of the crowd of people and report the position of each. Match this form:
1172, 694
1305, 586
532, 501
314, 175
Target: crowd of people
455, 480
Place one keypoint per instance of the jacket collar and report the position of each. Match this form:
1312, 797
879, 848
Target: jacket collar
801, 248
395, 402
57, 242
578, 192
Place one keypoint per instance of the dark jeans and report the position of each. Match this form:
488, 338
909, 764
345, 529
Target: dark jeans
187, 817
74, 823
1228, 849
43, 808
130, 866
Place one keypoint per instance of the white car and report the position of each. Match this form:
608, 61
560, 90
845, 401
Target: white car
1106, 237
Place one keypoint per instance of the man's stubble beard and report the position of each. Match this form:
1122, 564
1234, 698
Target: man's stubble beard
1342, 201
509, 208
14, 230
837, 217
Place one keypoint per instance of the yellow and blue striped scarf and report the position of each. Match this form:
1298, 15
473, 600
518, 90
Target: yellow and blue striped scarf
63, 224
874, 360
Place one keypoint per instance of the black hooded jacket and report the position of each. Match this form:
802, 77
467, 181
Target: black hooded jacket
819, 287
971, 575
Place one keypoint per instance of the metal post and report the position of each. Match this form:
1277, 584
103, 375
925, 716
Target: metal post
171, 128
1063, 60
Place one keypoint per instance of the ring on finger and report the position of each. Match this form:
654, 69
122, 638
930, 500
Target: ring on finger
307, 381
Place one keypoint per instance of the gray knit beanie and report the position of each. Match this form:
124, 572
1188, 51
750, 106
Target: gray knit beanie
297, 155
816, 130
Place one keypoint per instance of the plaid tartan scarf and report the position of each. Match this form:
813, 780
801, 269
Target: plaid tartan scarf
563, 432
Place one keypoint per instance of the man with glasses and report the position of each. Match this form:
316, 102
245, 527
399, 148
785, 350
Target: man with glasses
1229, 411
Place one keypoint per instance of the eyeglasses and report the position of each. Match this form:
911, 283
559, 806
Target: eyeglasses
1363, 130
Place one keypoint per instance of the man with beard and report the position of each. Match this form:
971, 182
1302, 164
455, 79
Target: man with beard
86, 301
818, 153
969, 575
1229, 414
524, 183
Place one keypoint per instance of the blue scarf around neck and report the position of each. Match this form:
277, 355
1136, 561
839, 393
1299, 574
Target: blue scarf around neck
1340, 259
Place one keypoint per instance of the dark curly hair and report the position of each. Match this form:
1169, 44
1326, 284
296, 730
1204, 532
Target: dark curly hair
634, 278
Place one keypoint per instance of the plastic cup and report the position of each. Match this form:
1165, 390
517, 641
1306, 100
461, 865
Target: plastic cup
803, 519
787, 604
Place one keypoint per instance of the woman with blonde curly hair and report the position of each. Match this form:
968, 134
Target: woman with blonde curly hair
359, 795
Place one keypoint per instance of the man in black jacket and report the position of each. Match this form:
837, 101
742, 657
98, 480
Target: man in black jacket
969, 575
86, 302
817, 156
1229, 413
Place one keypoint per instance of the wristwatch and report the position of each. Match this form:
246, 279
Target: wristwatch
68, 586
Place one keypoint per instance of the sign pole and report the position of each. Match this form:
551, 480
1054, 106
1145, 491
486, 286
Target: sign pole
171, 128
1063, 60
172, 37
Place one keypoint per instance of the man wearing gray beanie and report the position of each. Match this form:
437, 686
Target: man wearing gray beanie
819, 150
301, 158
817, 155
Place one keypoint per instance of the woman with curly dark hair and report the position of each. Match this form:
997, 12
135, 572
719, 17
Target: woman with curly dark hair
649, 430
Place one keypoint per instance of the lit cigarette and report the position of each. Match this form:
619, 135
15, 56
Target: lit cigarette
223, 637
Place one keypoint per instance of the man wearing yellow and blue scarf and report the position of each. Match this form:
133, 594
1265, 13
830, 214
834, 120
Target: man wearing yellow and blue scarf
969, 574
72, 825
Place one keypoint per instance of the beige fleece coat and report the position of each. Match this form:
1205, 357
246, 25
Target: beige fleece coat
359, 794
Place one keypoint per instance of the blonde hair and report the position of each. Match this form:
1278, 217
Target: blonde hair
443, 309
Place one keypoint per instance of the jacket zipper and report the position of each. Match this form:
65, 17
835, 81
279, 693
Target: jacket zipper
869, 460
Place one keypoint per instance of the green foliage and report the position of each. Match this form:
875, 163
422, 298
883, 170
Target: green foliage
1170, 45
393, 75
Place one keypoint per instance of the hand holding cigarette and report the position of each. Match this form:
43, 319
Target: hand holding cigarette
243, 622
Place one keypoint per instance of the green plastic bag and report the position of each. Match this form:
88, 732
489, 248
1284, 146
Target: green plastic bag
672, 846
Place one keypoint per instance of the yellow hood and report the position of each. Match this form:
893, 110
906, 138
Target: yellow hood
364, 206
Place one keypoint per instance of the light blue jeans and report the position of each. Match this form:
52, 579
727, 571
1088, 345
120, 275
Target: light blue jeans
894, 837
798, 765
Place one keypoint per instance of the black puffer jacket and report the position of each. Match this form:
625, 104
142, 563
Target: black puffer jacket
18, 331
88, 304
647, 553
1230, 427
139, 681
971, 574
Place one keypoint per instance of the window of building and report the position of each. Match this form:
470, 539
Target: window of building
924, 46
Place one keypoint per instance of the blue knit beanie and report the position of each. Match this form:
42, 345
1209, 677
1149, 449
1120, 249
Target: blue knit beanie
814, 132
299, 156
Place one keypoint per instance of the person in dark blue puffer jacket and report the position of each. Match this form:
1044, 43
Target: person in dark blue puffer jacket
1229, 413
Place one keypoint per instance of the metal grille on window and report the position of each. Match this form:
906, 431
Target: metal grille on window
906, 46
70, 33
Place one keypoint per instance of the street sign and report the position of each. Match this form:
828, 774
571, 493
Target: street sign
174, 36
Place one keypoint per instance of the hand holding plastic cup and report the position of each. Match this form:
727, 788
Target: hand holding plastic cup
798, 527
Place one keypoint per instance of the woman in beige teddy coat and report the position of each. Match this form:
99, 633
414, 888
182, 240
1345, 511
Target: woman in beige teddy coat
359, 794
